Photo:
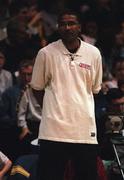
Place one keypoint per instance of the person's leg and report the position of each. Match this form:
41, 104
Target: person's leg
85, 160
52, 160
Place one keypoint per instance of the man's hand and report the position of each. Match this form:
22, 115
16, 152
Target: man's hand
5, 169
39, 96
24, 132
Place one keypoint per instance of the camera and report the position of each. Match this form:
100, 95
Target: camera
114, 123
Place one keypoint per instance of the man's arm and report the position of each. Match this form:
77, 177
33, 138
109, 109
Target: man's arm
22, 109
6, 165
38, 94
5, 169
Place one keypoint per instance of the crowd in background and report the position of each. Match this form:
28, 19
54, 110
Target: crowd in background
25, 27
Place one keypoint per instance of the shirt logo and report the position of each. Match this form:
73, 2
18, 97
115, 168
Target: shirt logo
92, 134
86, 66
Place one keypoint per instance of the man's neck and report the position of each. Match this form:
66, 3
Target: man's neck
72, 46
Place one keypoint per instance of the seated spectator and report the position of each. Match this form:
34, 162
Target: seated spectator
49, 16
118, 47
5, 165
4, 17
6, 80
116, 98
117, 71
28, 113
29, 116
89, 34
18, 45
8, 119
35, 24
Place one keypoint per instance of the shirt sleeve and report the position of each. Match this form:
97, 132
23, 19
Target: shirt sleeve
41, 71
97, 74
10, 80
22, 111
3, 158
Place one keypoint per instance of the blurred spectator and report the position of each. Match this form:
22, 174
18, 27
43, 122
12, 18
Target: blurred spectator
89, 33
4, 17
116, 98
35, 24
6, 79
28, 119
117, 70
19, 44
49, 10
8, 120
117, 48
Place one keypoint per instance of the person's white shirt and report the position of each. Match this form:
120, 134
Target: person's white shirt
69, 81
6, 80
28, 108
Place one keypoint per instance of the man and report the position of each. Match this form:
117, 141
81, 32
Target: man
6, 79
70, 71
29, 114
8, 117
19, 44
28, 119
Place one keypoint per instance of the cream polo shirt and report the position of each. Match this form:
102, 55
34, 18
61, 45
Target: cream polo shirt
69, 81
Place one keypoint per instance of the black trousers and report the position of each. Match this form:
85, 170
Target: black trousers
55, 155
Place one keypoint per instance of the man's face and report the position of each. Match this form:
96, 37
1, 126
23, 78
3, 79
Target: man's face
25, 74
68, 27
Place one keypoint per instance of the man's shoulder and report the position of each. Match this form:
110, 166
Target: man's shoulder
50, 46
90, 47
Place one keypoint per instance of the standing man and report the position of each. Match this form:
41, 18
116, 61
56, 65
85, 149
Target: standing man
70, 71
